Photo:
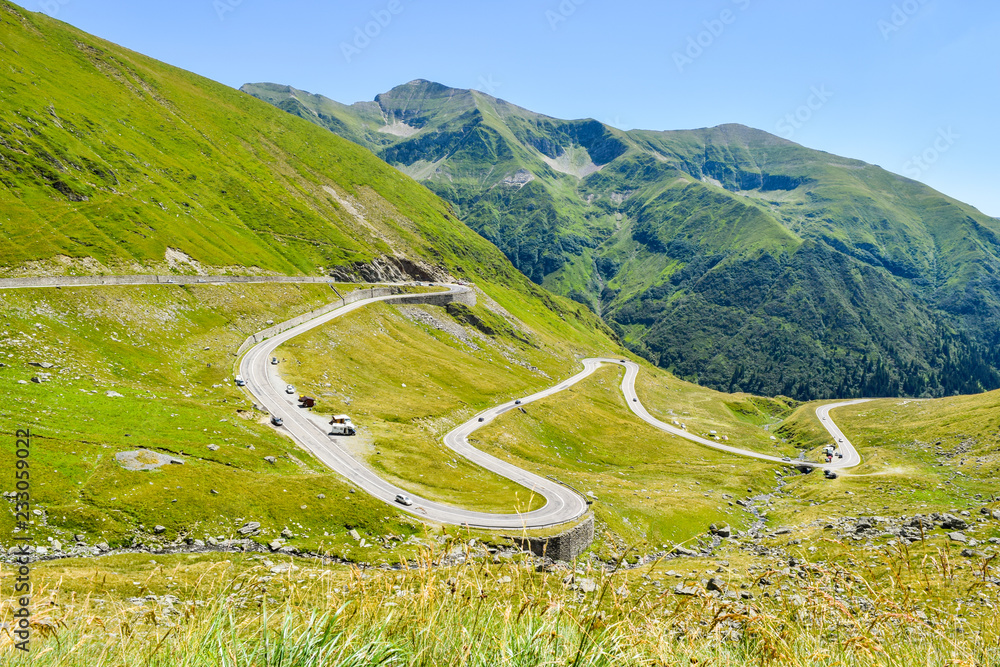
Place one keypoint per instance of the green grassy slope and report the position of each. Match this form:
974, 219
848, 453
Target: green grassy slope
137, 157
168, 353
728, 255
139, 167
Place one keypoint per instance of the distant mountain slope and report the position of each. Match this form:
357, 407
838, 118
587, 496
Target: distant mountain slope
113, 162
731, 256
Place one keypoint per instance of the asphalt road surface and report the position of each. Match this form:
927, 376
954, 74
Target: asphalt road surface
851, 457
562, 504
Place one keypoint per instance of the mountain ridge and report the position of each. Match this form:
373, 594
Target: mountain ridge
658, 231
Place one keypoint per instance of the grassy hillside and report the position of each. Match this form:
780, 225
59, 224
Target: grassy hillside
139, 167
823, 608
730, 256
142, 167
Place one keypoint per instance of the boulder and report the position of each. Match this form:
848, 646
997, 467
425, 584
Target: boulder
159, 530
958, 537
271, 459
952, 522
716, 584
213, 448
683, 551
721, 531
249, 528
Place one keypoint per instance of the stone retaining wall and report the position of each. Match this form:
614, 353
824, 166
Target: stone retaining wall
565, 546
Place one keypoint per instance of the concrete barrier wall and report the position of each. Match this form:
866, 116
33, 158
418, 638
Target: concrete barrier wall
349, 298
564, 546
468, 298
69, 281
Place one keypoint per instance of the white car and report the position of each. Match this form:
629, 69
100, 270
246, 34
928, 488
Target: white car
289, 389
274, 361
403, 500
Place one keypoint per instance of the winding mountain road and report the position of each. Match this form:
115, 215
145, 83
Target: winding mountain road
562, 504
311, 432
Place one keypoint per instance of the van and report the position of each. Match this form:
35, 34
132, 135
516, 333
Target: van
342, 429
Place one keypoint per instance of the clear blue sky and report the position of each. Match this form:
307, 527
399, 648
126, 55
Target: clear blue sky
880, 80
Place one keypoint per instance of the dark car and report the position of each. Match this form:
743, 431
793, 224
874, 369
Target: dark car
517, 402
277, 421
482, 419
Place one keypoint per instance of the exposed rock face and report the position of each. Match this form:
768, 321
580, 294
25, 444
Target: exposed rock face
387, 270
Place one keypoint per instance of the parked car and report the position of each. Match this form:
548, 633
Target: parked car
289, 389
239, 381
274, 361
403, 500
277, 421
